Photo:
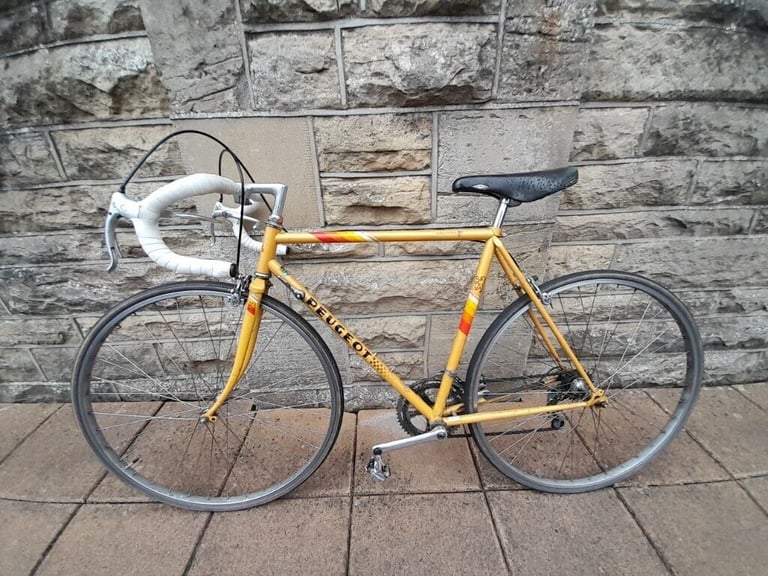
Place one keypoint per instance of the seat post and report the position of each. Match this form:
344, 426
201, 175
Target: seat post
501, 212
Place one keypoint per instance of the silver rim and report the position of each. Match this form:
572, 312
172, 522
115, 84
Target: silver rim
637, 342
154, 364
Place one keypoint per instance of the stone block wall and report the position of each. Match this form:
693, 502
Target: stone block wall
661, 104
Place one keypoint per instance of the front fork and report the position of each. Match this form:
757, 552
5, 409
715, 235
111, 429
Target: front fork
249, 330
245, 345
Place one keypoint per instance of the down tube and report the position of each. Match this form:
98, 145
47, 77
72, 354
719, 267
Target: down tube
350, 339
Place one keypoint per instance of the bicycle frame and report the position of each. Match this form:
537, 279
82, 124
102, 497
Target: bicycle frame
268, 266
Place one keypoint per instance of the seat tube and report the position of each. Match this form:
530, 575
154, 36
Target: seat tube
465, 324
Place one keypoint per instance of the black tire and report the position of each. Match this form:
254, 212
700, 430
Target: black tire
155, 363
638, 343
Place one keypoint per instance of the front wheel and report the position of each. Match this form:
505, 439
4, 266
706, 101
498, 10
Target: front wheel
637, 342
155, 363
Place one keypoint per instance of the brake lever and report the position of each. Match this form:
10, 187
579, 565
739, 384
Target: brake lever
110, 237
119, 206
231, 214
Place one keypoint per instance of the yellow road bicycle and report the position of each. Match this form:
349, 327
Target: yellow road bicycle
217, 396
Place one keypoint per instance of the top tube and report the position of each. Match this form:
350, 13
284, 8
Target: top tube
357, 236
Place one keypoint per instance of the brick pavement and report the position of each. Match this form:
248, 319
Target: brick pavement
701, 508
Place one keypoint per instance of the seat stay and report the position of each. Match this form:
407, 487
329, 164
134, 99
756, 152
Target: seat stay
516, 276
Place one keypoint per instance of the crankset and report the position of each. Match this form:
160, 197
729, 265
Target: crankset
411, 419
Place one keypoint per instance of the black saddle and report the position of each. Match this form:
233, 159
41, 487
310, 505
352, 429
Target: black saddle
522, 187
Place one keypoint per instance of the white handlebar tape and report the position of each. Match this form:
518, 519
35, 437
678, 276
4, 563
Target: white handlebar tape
150, 209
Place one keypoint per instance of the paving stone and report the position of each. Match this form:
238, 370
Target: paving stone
703, 529
682, 462
417, 534
438, 466
135, 539
59, 460
757, 393
19, 420
334, 477
758, 488
113, 490
732, 429
25, 532
587, 533
491, 478
307, 536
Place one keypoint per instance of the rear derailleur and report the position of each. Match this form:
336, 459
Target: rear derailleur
564, 387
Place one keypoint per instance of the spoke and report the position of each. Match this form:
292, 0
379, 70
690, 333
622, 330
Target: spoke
292, 431
183, 348
620, 368
186, 449
144, 392
214, 347
242, 462
277, 383
140, 372
605, 342
137, 418
528, 438
268, 343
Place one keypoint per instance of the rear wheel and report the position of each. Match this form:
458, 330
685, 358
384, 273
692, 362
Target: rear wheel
155, 363
637, 342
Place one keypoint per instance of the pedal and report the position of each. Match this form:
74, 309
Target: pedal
380, 471
377, 469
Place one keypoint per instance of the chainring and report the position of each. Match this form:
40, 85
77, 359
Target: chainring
411, 419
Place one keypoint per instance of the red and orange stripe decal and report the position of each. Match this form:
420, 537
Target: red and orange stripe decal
344, 236
469, 314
